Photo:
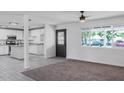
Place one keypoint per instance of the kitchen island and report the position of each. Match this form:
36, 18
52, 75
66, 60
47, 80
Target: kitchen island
17, 51
4, 49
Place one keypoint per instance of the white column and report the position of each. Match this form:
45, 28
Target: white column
45, 42
50, 45
26, 42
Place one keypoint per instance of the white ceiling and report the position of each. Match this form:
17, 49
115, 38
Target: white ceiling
52, 17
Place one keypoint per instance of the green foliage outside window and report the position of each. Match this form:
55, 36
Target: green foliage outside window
103, 37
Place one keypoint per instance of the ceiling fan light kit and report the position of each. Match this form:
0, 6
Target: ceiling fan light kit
82, 18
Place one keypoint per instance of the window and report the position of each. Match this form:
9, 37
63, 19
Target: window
61, 38
118, 37
86, 37
97, 37
106, 36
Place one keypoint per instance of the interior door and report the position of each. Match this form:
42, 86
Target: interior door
61, 43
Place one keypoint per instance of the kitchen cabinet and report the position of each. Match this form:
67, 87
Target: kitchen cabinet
7, 32
17, 52
36, 45
20, 35
37, 36
4, 49
36, 49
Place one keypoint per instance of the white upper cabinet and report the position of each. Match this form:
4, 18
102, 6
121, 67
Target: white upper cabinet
20, 35
37, 36
6, 32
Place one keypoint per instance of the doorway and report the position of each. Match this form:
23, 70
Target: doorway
61, 43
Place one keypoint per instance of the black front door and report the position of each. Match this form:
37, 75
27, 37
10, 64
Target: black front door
61, 43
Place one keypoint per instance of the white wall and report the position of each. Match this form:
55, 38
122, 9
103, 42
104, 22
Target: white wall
50, 50
100, 55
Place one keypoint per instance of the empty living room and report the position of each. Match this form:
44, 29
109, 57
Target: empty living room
61, 46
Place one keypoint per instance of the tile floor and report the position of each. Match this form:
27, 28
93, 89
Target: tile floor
10, 69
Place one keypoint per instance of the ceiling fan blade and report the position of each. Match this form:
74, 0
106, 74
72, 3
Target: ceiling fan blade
82, 12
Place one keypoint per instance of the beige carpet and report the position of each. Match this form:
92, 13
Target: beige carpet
72, 70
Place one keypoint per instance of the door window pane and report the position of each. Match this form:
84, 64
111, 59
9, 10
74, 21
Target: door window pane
61, 38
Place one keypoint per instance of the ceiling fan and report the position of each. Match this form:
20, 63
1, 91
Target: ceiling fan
82, 18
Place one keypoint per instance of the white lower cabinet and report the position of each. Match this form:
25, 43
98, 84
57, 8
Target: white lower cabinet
17, 52
36, 49
4, 50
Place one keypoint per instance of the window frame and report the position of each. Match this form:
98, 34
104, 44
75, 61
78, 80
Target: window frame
105, 29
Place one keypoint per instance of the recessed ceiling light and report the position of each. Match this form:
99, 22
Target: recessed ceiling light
13, 23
